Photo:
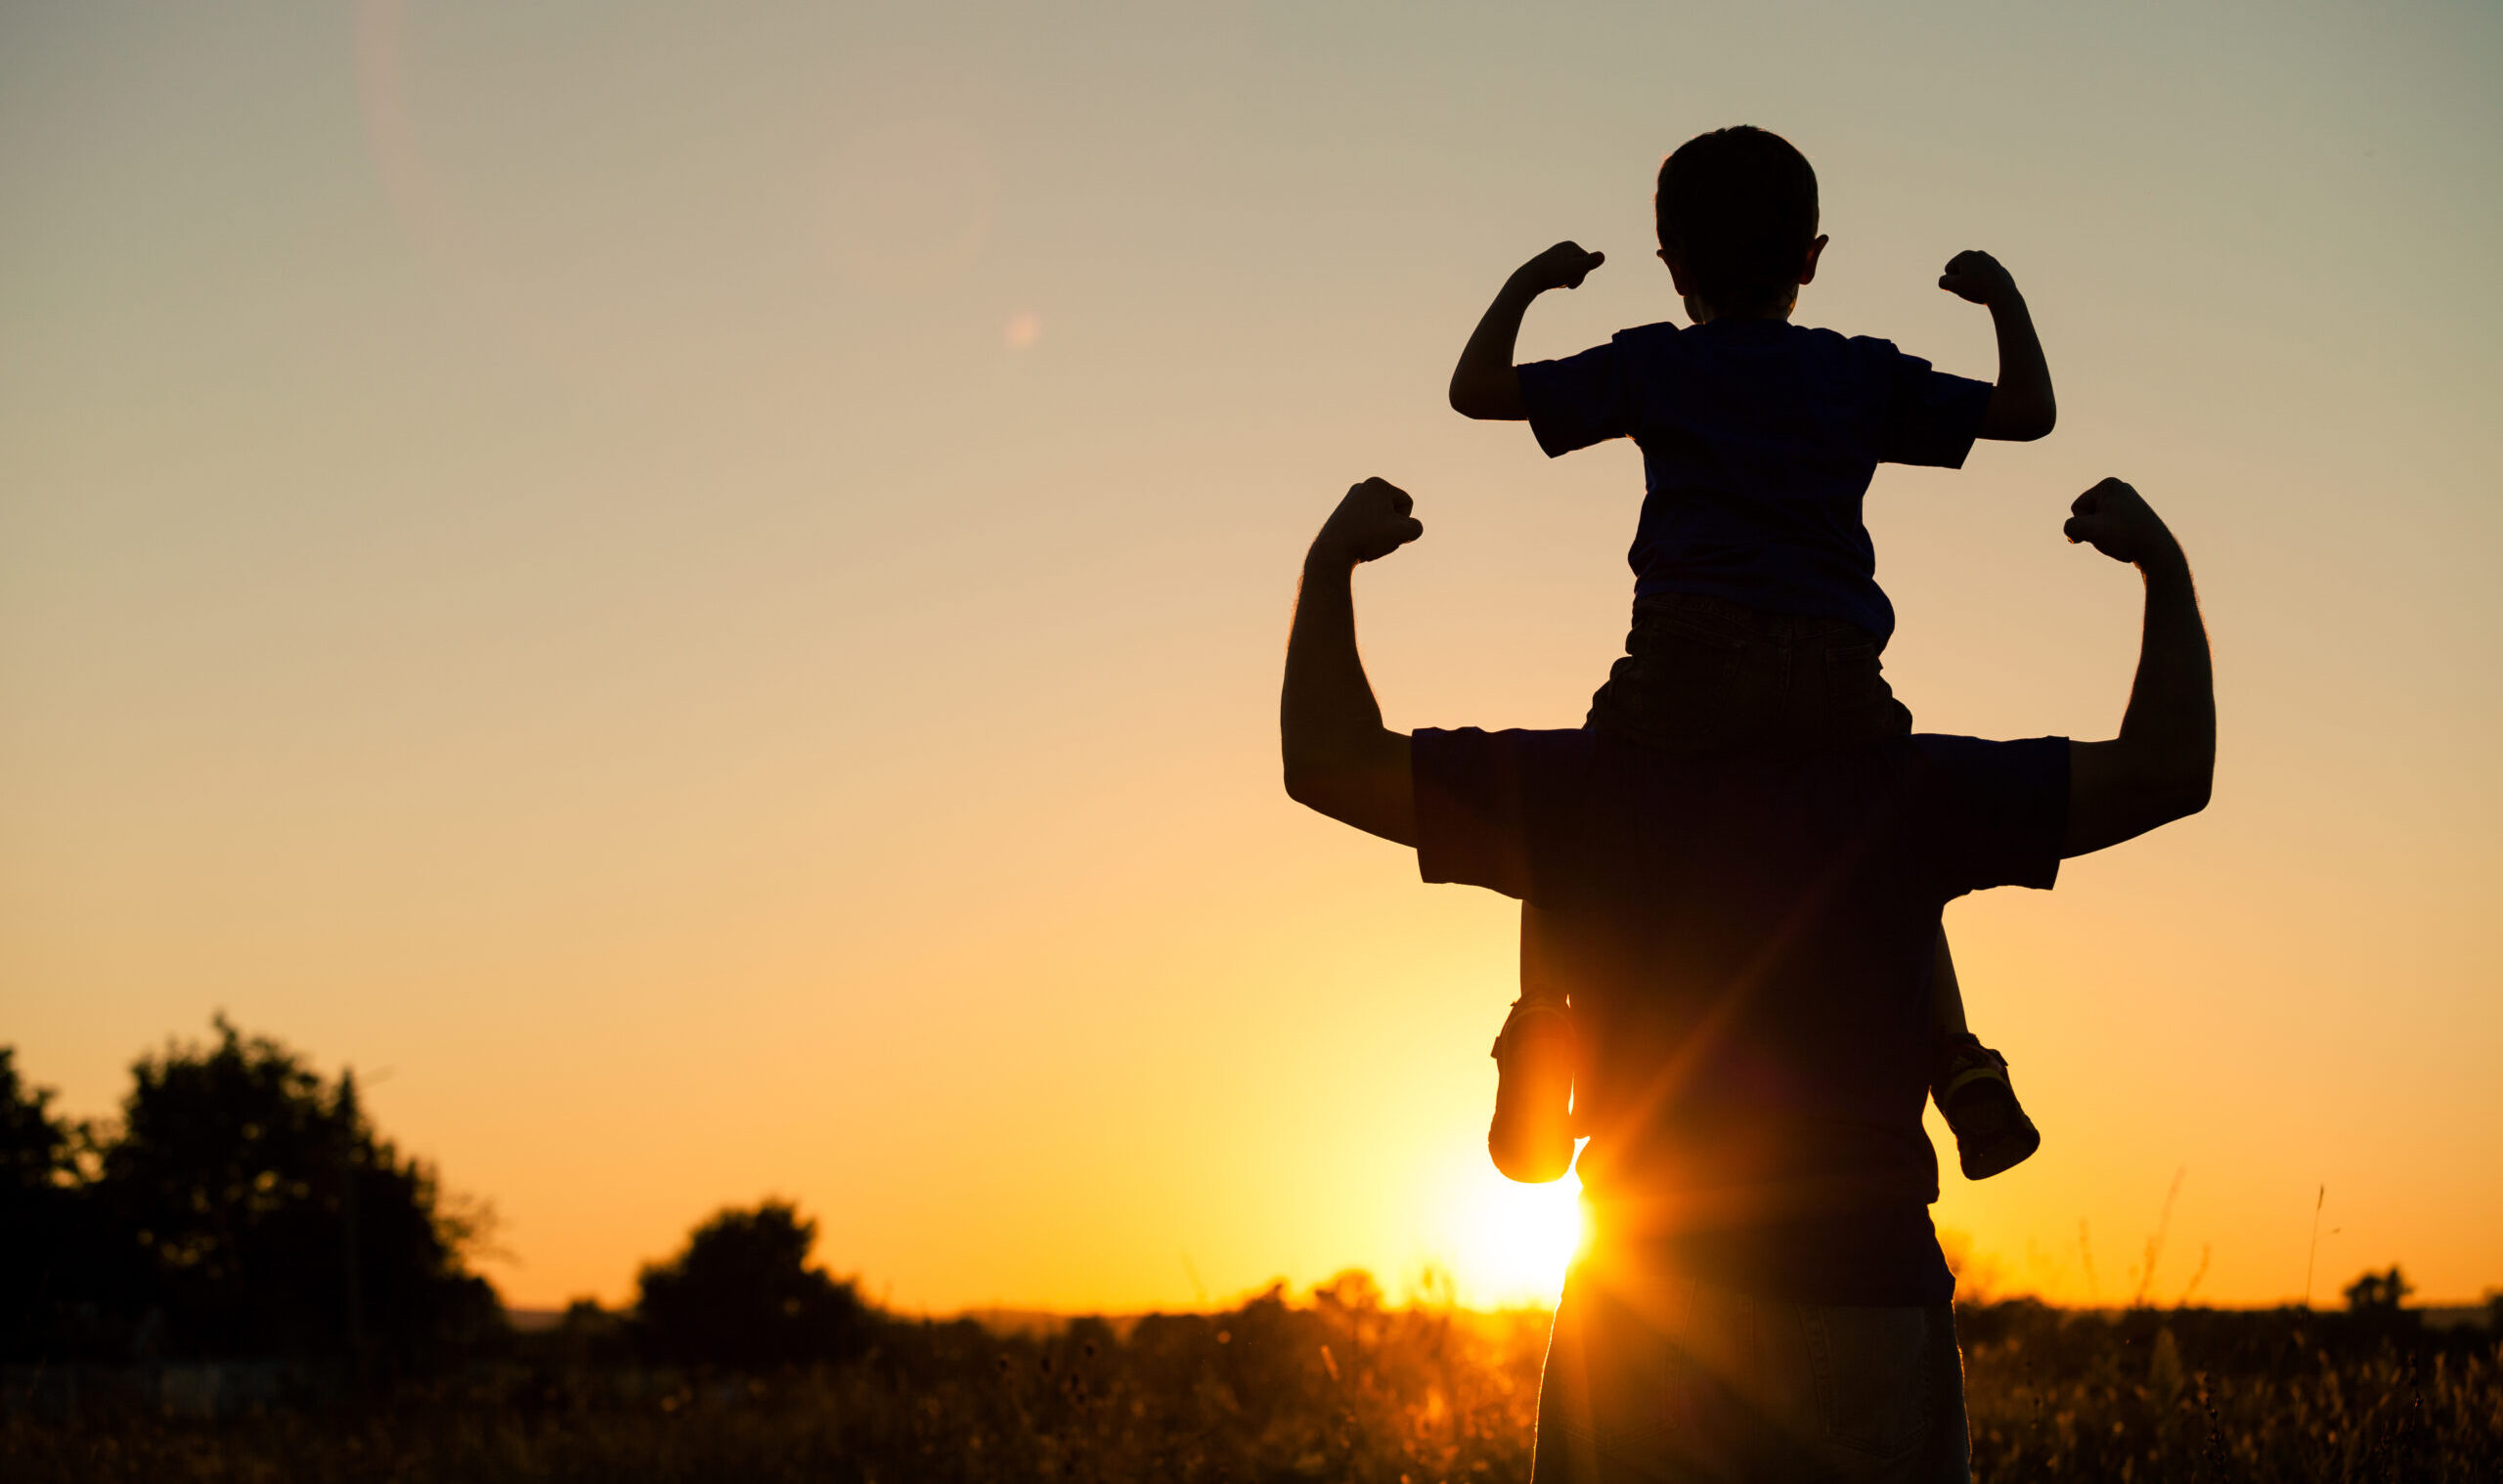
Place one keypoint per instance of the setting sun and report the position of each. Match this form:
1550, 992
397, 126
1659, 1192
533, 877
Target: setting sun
1510, 1244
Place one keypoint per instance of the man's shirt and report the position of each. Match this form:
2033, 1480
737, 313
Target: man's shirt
1748, 942
1759, 438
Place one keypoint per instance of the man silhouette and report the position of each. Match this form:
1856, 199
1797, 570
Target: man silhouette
1747, 938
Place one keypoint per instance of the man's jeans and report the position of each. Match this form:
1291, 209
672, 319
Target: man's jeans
1659, 1378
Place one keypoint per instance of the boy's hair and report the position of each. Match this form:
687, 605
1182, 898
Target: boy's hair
1737, 208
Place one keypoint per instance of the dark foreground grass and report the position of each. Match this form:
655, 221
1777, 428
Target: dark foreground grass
1341, 1390
2220, 1395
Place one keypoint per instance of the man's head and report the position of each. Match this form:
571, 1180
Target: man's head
1737, 218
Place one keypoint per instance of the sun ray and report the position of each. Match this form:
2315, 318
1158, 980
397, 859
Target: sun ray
1510, 1243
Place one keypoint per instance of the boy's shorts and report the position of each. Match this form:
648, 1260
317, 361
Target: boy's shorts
1704, 675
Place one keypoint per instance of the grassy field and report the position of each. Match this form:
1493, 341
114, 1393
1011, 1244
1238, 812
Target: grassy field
1339, 1388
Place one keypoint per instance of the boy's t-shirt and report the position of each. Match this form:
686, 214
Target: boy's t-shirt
1759, 438
1748, 942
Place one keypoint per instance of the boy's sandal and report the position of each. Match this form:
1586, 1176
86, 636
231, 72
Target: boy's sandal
1521, 1009
1994, 1134
1969, 1073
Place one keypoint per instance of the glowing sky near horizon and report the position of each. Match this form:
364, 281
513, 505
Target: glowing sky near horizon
698, 591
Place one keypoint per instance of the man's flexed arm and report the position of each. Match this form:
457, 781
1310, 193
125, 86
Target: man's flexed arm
1485, 384
2162, 766
1340, 759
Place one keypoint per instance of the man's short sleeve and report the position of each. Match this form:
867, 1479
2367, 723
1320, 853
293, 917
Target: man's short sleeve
1578, 400
1472, 820
1931, 416
1997, 810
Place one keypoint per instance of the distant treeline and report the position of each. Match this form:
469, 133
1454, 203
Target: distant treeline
243, 1207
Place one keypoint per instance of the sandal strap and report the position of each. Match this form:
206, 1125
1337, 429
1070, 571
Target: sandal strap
1520, 1008
1985, 1073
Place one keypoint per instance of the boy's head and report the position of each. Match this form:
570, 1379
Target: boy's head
1738, 217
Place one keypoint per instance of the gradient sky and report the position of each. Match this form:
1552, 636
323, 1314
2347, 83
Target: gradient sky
699, 592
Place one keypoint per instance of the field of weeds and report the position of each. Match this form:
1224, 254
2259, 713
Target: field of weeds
1342, 1388
2202, 1394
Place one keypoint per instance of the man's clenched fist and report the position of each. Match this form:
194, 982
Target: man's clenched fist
2116, 520
1370, 522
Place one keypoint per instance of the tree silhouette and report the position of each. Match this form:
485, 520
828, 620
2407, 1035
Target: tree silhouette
743, 1297
268, 1218
40, 1245
2379, 1294
34, 1150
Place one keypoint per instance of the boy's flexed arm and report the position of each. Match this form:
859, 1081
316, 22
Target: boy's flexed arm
1483, 386
2021, 408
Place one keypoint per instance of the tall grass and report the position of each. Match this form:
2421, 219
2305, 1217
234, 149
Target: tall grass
1339, 1388
2203, 1394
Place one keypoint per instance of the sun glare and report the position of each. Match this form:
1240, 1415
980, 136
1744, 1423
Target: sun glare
1510, 1244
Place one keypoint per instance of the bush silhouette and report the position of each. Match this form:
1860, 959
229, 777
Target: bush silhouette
742, 1296
242, 1207
2379, 1293
273, 1220
43, 1265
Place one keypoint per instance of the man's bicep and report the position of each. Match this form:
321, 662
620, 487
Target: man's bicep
1375, 791
2109, 800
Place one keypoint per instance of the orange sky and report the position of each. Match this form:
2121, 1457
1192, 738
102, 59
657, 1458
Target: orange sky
699, 595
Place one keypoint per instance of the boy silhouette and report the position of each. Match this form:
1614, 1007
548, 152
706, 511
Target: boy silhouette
1757, 616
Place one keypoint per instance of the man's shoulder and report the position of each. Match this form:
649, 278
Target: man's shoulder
1920, 772
1513, 769
1935, 752
1959, 773
1481, 797
1909, 760
1463, 744
1941, 748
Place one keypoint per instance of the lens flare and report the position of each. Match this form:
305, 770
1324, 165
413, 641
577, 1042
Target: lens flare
1510, 1244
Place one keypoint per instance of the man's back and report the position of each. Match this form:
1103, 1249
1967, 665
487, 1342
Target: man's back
1748, 942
